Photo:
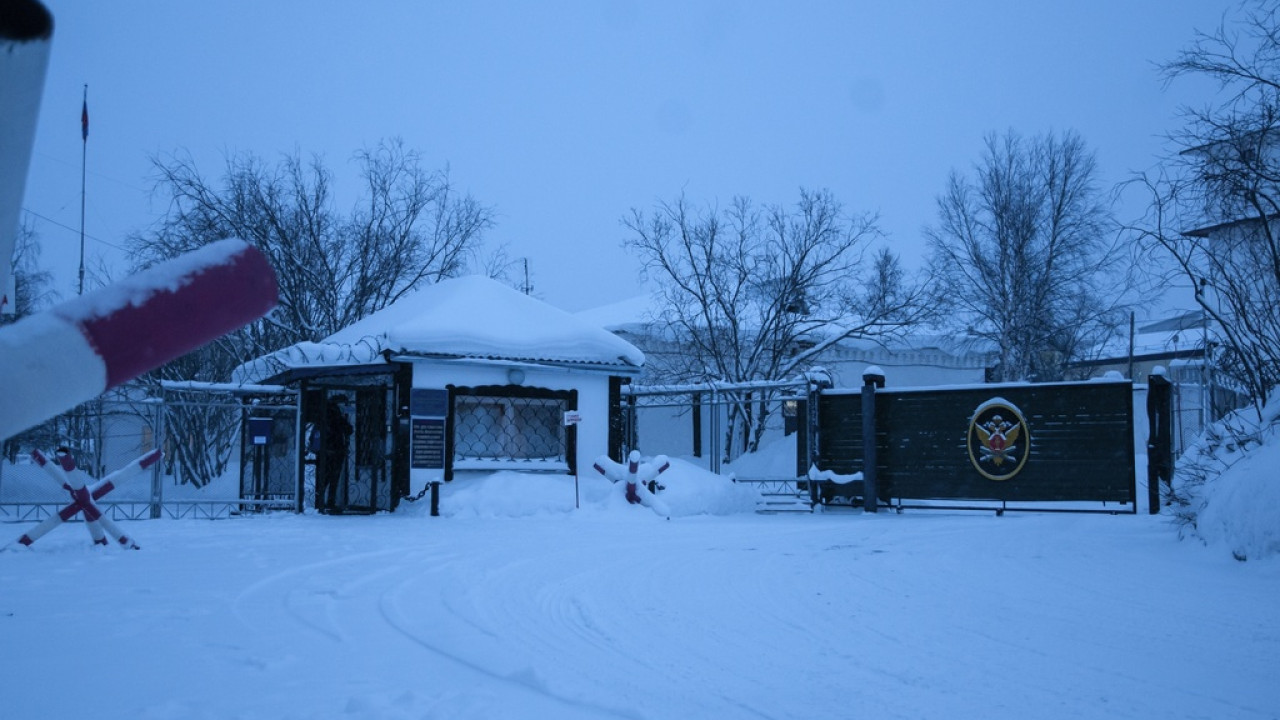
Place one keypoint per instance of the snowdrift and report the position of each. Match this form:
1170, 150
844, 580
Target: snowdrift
688, 490
1226, 487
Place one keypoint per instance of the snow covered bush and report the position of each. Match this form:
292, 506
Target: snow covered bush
1225, 491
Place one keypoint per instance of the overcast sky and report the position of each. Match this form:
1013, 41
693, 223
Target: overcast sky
564, 115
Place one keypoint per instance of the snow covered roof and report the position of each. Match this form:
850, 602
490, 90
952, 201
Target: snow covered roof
1181, 334
469, 317
633, 315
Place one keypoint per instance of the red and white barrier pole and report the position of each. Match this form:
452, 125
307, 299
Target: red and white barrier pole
26, 36
65, 473
108, 483
62, 357
81, 501
636, 475
633, 469
53, 361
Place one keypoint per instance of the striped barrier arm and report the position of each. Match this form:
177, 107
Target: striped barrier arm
59, 358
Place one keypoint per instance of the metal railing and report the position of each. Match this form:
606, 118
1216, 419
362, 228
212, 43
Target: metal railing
211, 468
719, 424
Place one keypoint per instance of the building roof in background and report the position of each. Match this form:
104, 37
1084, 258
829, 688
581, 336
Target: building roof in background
637, 317
1179, 335
470, 317
632, 315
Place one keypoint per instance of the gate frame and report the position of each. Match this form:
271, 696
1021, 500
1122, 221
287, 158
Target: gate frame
1158, 446
804, 387
240, 394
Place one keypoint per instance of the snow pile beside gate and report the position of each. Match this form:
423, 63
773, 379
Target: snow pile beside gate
1240, 509
1227, 484
775, 459
688, 490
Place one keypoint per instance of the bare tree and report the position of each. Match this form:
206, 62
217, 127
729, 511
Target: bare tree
752, 293
409, 229
32, 286
1215, 201
1022, 253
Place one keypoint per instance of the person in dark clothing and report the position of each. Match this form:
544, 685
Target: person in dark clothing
333, 455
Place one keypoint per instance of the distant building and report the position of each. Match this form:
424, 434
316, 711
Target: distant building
1176, 343
1203, 392
911, 361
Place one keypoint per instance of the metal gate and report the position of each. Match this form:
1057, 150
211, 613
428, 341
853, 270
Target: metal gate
1047, 446
356, 452
746, 429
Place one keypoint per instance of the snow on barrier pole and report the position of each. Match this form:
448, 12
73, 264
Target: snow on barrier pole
636, 475
26, 36
62, 357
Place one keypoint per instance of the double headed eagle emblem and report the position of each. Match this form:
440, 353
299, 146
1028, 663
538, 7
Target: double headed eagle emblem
998, 439
997, 436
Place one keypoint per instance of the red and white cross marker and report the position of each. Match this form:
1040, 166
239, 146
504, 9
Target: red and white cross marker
637, 476
64, 472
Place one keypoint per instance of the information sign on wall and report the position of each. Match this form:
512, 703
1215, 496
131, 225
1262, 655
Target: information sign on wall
427, 410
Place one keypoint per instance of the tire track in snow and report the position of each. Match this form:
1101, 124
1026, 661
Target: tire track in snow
574, 633
302, 583
525, 679
632, 635
334, 600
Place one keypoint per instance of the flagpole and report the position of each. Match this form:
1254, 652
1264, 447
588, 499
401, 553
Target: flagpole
84, 151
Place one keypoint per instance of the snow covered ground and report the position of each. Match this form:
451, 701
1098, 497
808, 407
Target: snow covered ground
515, 604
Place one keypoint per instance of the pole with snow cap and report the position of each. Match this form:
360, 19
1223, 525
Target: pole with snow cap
633, 469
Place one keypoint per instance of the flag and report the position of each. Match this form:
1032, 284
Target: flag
84, 121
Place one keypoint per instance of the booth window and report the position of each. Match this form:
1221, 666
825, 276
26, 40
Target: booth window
510, 427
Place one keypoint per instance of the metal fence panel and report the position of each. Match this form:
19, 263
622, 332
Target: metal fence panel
747, 429
203, 473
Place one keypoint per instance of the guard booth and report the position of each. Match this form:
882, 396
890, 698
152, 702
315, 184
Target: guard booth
375, 472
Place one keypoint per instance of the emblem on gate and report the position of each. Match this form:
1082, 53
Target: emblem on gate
999, 440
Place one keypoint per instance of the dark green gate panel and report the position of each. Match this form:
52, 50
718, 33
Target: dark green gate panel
840, 432
1081, 442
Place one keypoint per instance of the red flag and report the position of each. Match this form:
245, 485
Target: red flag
84, 121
